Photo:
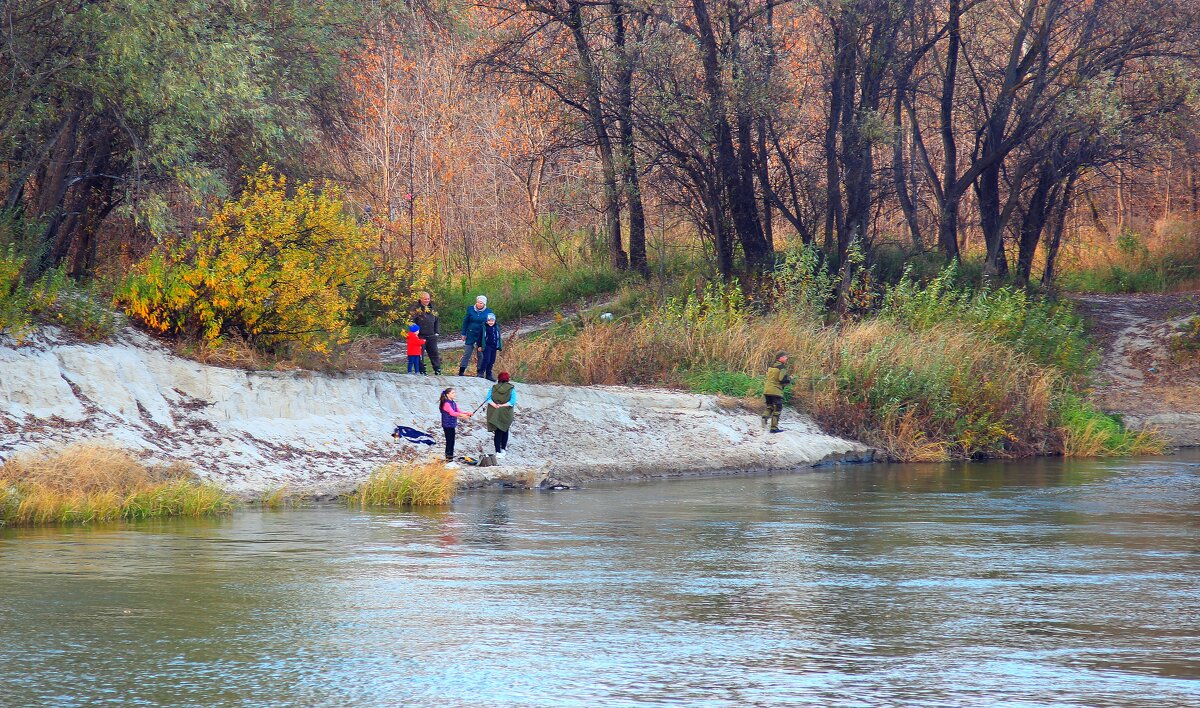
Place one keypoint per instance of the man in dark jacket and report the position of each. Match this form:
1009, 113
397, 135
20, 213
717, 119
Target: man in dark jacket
472, 331
425, 315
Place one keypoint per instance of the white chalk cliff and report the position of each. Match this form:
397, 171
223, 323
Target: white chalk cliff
314, 433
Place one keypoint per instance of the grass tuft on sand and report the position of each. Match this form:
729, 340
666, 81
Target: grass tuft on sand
395, 485
90, 482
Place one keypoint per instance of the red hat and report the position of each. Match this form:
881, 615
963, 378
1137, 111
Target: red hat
503, 377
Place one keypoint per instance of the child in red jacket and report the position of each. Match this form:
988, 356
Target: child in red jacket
416, 346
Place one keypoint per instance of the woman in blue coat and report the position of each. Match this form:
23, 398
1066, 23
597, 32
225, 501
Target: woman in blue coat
472, 331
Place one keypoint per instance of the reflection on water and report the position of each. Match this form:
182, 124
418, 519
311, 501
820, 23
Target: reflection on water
1025, 583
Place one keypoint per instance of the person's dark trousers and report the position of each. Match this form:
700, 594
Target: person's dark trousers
449, 443
414, 364
487, 360
469, 350
774, 410
435, 359
501, 440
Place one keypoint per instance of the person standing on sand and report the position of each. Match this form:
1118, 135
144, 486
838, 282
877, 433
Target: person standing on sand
425, 316
777, 379
472, 331
500, 403
491, 344
450, 415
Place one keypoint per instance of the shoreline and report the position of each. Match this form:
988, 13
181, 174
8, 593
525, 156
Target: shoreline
319, 435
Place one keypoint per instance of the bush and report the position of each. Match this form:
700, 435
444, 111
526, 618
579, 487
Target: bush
805, 285
53, 299
16, 316
281, 272
1135, 264
1043, 329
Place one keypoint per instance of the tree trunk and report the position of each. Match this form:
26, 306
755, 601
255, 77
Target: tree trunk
951, 194
630, 178
739, 197
611, 201
899, 176
1056, 230
1041, 202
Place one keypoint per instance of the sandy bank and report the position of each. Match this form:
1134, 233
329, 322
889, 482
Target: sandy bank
321, 434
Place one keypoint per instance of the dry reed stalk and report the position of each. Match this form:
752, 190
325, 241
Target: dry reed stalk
905, 441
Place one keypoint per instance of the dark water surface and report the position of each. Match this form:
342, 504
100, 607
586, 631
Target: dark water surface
1028, 584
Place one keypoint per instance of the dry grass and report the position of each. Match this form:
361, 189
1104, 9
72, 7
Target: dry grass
1095, 438
919, 395
1157, 257
232, 352
361, 354
86, 482
423, 484
279, 498
904, 439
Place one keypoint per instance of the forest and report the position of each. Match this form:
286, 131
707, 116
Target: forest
287, 174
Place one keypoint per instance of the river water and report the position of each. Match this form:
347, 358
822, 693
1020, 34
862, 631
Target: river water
1030, 583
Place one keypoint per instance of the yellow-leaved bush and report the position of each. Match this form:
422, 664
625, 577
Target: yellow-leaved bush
282, 271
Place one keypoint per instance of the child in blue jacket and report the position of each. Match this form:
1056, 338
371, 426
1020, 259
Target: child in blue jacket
488, 348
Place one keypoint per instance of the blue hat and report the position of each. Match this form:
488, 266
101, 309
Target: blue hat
414, 328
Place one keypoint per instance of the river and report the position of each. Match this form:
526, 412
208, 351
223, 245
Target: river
1023, 583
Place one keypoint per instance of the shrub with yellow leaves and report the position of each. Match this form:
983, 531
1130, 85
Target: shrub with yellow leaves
281, 271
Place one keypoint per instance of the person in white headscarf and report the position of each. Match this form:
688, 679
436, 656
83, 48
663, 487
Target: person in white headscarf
472, 331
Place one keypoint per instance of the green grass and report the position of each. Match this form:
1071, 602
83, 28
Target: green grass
724, 382
1048, 331
1157, 276
1087, 432
516, 294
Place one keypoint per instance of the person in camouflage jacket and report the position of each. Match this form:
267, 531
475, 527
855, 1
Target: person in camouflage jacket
777, 379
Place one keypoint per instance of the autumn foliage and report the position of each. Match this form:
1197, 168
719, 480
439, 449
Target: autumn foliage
281, 271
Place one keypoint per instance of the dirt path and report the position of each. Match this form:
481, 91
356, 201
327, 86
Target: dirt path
396, 351
1139, 377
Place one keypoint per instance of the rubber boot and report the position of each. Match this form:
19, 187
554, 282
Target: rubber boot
461, 371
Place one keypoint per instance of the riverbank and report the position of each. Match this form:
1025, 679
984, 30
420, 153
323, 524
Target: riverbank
253, 432
1144, 376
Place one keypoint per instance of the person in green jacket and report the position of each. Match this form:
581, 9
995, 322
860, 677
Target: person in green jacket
777, 378
500, 403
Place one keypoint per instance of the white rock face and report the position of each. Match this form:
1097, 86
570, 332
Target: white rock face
324, 433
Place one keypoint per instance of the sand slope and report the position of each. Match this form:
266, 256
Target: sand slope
322, 433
